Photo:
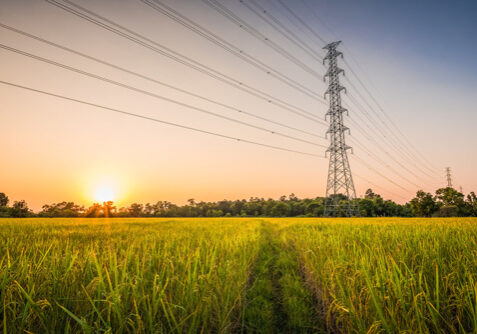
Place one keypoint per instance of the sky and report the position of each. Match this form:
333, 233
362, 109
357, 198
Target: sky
415, 58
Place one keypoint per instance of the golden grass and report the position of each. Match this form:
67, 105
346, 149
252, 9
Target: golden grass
238, 274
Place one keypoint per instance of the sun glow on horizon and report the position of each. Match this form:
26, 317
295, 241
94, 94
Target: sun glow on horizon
104, 194
104, 184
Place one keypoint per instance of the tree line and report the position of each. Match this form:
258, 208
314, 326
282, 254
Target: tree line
447, 202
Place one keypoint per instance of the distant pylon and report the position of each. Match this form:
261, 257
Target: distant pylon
340, 181
449, 177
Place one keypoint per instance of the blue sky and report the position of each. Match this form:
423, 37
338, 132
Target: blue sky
440, 34
420, 55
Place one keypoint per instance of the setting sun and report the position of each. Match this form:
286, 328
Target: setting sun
104, 194
103, 184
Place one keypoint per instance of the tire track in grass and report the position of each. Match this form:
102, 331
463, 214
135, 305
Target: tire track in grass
277, 300
327, 319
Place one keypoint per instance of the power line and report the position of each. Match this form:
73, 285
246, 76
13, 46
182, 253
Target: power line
158, 48
418, 156
377, 186
282, 29
312, 31
379, 173
380, 131
376, 158
376, 143
399, 145
312, 11
416, 153
156, 81
392, 144
229, 47
227, 13
286, 15
297, 41
169, 86
159, 120
384, 151
182, 104
372, 154
176, 125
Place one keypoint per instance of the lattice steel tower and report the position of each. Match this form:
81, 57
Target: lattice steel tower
340, 180
449, 177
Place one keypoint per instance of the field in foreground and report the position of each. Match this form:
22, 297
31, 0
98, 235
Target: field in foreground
238, 275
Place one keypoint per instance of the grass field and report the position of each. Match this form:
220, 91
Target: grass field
290, 275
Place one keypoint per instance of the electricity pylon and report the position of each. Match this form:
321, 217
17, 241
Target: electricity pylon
449, 177
340, 181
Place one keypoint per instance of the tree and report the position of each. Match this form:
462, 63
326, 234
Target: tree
366, 205
452, 202
3, 199
293, 198
63, 209
315, 208
369, 194
280, 209
96, 210
149, 210
160, 209
390, 209
446, 202
423, 205
136, 210
123, 212
4, 209
471, 204
379, 207
254, 207
405, 210
237, 207
448, 211
297, 208
214, 213
109, 209
20, 210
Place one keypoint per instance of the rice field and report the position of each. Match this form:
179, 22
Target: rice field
238, 275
